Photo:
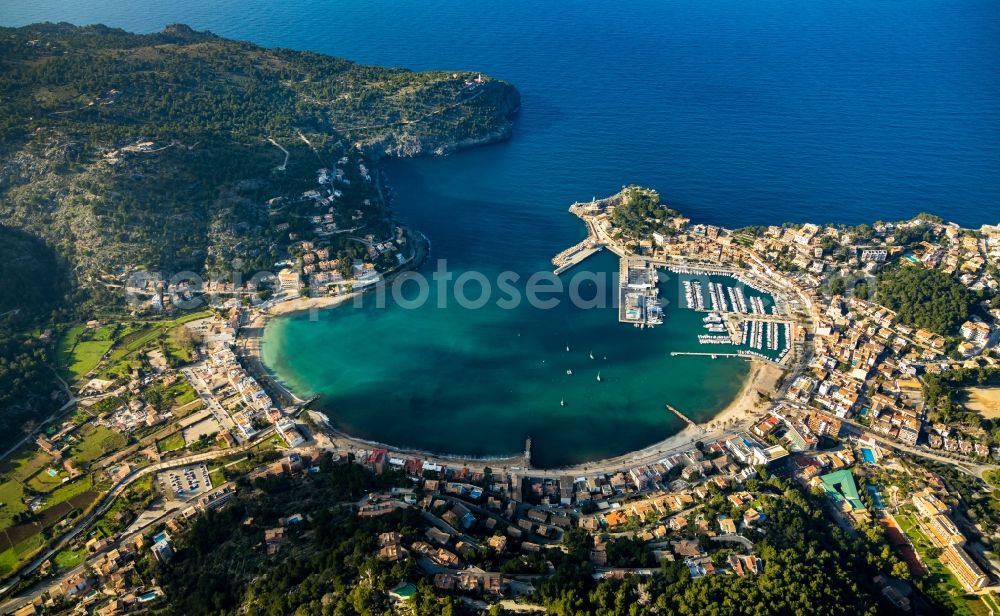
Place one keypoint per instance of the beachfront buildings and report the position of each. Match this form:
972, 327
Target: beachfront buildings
251, 407
286, 428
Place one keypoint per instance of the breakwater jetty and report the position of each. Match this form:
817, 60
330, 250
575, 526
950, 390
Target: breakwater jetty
737, 309
683, 417
749, 355
575, 255
596, 240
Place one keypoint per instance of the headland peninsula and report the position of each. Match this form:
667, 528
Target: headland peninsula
148, 450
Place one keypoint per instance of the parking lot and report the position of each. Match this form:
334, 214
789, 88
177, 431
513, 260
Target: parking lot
185, 482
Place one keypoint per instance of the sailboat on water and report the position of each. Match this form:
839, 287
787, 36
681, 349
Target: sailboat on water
591, 355
598, 376
567, 348
562, 402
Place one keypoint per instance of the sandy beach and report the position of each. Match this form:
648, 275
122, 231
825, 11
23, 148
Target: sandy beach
305, 304
763, 379
735, 417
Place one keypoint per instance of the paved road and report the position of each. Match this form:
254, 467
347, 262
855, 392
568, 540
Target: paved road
109, 500
970, 467
734, 539
47, 585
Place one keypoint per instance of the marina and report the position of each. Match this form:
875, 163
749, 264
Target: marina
741, 311
749, 323
516, 375
717, 289
639, 302
553, 362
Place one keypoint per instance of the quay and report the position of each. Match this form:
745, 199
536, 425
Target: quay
745, 319
575, 255
595, 240
764, 318
638, 301
593, 243
739, 354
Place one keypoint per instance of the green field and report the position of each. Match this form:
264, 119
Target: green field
141, 485
183, 393
24, 462
44, 483
217, 477
172, 443
29, 545
176, 395
16, 556
11, 494
80, 349
178, 346
120, 362
977, 605
94, 442
67, 559
56, 507
8, 560
123, 359
69, 490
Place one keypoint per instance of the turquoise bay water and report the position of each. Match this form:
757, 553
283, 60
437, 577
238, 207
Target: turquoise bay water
477, 382
738, 113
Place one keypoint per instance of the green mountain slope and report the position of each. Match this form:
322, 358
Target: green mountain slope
158, 151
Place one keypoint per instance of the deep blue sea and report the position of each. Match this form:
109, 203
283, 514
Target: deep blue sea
737, 112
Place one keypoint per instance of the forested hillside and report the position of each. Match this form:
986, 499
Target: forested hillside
159, 151
926, 298
165, 152
33, 284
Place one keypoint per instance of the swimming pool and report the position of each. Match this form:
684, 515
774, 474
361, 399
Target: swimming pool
868, 455
876, 497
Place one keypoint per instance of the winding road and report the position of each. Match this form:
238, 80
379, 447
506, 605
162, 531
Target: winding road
109, 500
